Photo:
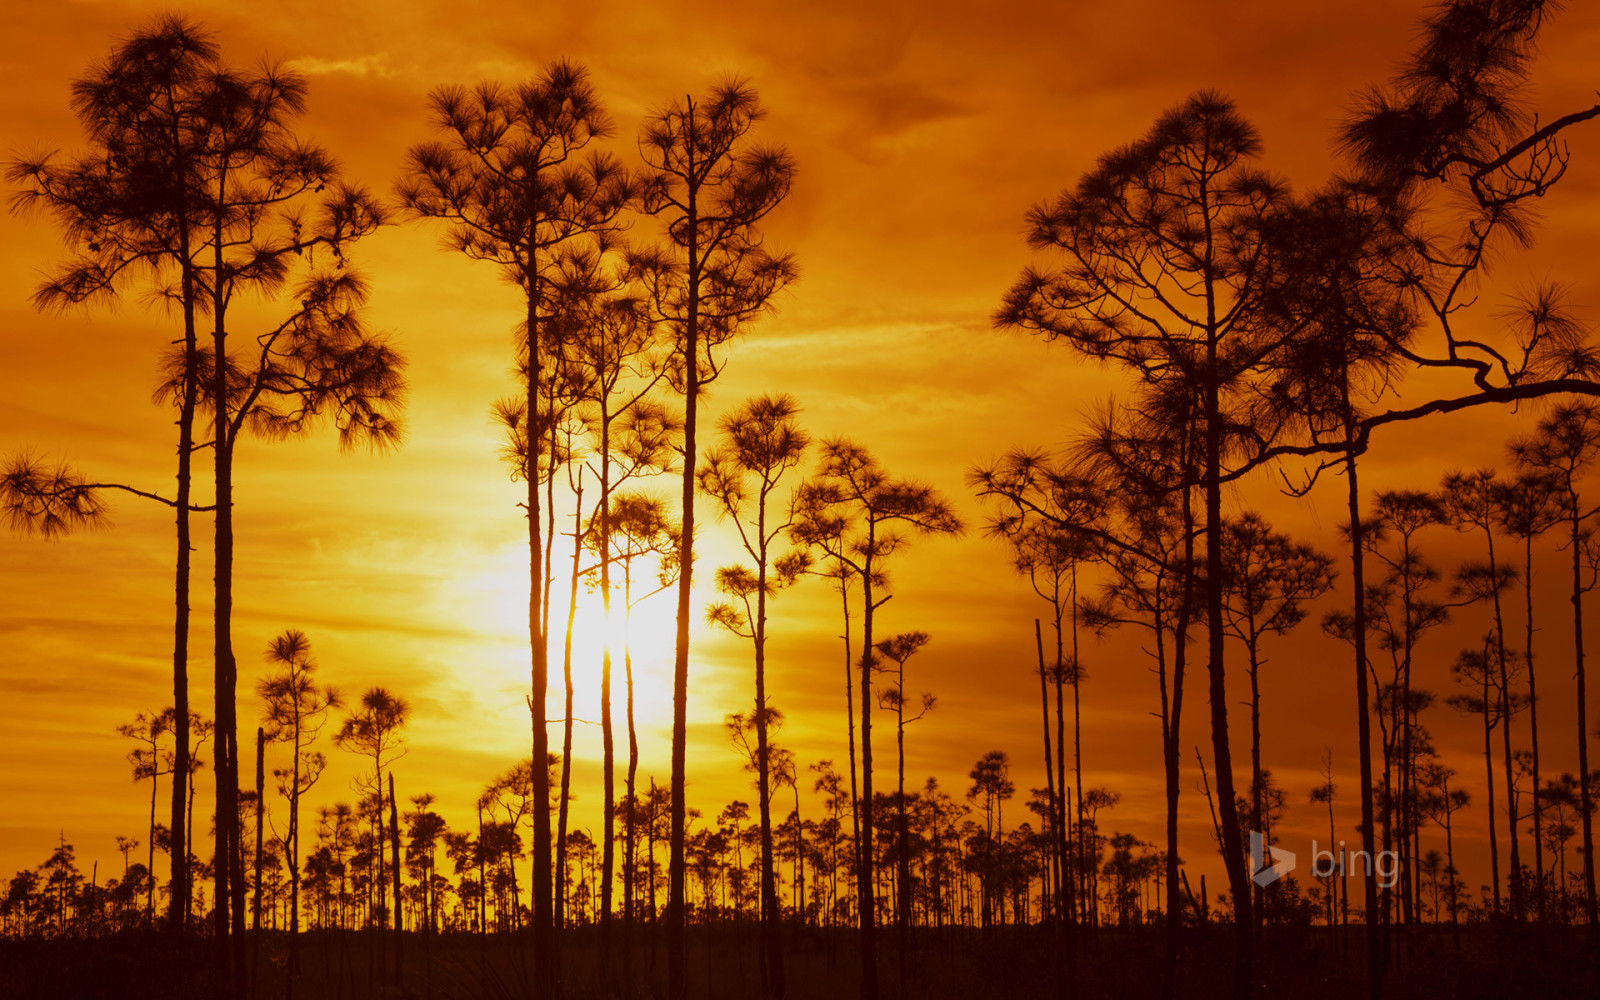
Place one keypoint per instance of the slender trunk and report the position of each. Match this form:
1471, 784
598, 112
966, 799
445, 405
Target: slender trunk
1071, 829
229, 860
1585, 806
1533, 725
1517, 906
1376, 943
772, 979
677, 954
903, 889
561, 889
865, 902
1056, 854
1490, 710
545, 958
182, 844
150, 863
1257, 817
399, 906
261, 815
292, 849
1077, 709
1333, 877
850, 719
1239, 881
1171, 750
609, 754
629, 846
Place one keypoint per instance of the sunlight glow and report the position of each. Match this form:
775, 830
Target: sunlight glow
494, 602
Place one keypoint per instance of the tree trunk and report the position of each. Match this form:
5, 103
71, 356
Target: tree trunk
1533, 725
562, 809
609, 755
229, 861
677, 954
629, 847
1376, 943
545, 958
867, 917
1585, 806
1517, 908
1172, 750
261, 815
399, 906
772, 983
1050, 790
182, 844
1239, 881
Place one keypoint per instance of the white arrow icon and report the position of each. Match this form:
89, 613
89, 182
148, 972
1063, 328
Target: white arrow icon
1260, 853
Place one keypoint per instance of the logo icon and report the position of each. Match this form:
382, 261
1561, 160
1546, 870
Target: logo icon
1264, 874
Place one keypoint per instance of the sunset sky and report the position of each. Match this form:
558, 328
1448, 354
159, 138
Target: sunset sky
922, 133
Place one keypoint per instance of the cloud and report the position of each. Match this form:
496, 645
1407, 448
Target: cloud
376, 64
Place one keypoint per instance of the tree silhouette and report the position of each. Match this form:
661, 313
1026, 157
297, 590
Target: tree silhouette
1477, 670
991, 787
1267, 580
1162, 263
1472, 501
373, 730
1565, 445
148, 759
510, 180
855, 513
639, 526
898, 649
1441, 802
1050, 556
613, 345
128, 205
296, 711
761, 442
1325, 794
714, 187
1526, 508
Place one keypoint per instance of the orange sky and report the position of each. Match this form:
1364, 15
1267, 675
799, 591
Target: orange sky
922, 132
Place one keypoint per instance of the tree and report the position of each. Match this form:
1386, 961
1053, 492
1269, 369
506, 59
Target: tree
1475, 669
1122, 496
617, 353
1162, 266
858, 515
273, 209
1325, 794
713, 275
639, 527
1441, 802
1050, 556
762, 442
148, 759
1471, 501
1267, 580
510, 179
373, 730
128, 205
991, 787
296, 710
1565, 445
1527, 507
898, 649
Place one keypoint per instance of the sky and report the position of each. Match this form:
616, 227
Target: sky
922, 134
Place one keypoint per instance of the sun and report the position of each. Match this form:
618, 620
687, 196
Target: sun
493, 601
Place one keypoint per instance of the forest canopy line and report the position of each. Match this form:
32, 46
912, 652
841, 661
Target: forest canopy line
1268, 345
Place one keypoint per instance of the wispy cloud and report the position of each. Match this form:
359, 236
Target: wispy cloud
376, 64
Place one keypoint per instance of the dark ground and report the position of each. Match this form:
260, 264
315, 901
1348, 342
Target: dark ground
1491, 963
